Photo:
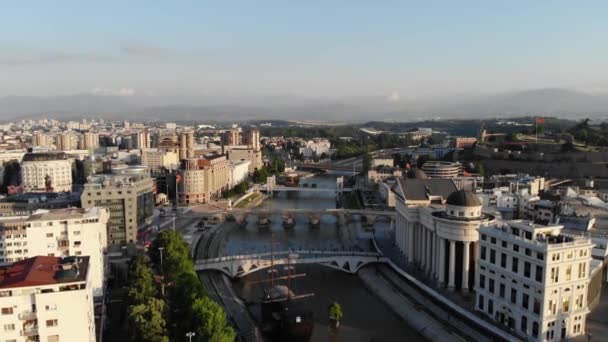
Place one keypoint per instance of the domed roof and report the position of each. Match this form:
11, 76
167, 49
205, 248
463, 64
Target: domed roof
462, 198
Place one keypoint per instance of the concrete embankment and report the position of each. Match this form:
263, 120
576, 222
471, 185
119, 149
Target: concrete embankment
403, 307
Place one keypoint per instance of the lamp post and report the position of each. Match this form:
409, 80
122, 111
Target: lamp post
162, 273
190, 334
173, 215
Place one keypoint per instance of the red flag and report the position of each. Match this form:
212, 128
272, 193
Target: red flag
178, 179
540, 120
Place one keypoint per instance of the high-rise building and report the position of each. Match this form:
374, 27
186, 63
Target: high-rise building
186, 145
66, 141
534, 280
239, 153
41, 139
142, 139
89, 141
156, 160
232, 137
251, 138
128, 193
46, 172
47, 299
61, 233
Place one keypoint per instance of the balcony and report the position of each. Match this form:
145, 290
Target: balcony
31, 331
27, 315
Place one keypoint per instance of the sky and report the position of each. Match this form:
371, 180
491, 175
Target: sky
395, 49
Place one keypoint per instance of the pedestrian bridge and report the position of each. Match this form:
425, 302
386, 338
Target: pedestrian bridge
241, 265
262, 188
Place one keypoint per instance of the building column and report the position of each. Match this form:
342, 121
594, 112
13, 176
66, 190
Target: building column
429, 256
410, 243
433, 254
452, 260
422, 244
441, 264
465, 267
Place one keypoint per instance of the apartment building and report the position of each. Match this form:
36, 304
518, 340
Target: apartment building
239, 153
61, 233
46, 172
156, 160
533, 279
47, 299
128, 194
89, 141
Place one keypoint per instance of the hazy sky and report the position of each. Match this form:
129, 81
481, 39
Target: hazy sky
397, 49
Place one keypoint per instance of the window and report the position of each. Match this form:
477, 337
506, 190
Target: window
551, 307
535, 329
483, 237
513, 295
503, 260
536, 308
540, 256
566, 303
501, 293
527, 267
490, 306
482, 281
49, 235
568, 272
504, 244
480, 302
51, 323
515, 265
9, 327
555, 274
539, 274
7, 311
524, 324
525, 299
493, 240
53, 338
492, 256
528, 252
491, 285
582, 270
483, 253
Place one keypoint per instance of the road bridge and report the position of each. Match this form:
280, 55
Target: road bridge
241, 265
262, 188
370, 216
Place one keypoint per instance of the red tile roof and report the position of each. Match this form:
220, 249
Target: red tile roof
40, 270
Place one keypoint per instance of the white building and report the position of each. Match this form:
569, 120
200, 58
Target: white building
47, 299
239, 171
315, 147
437, 229
59, 232
534, 280
46, 172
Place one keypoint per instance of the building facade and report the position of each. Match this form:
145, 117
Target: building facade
46, 172
60, 233
442, 169
534, 280
437, 230
47, 299
129, 195
241, 154
203, 179
156, 160
239, 171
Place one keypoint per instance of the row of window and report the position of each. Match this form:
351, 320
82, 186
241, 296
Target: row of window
523, 325
523, 300
526, 270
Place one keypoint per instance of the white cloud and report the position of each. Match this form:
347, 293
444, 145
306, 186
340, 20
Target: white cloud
115, 92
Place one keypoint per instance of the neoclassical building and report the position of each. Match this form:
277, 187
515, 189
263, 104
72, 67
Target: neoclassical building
437, 229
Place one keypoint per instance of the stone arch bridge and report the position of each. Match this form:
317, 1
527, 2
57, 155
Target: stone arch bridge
370, 216
241, 265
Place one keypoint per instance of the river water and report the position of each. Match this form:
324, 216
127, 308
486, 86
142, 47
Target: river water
366, 318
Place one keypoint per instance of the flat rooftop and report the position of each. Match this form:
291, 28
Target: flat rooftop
44, 270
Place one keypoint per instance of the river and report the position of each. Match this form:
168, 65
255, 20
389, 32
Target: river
366, 318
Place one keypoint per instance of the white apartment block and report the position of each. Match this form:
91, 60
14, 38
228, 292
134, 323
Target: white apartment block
60, 233
239, 171
534, 280
46, 172
47, 299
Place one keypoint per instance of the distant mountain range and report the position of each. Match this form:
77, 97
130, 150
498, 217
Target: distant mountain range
548, 102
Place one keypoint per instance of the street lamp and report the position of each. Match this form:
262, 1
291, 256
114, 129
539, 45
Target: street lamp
173, 215
190, 334
162, 273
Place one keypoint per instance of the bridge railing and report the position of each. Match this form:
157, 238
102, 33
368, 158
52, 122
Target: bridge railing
283, 254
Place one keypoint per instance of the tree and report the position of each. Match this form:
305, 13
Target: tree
146, 322
141, 282
12, 175
176, 254
260, 175
480, 169
210, 321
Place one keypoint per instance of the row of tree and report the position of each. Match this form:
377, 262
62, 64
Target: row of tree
275, 167
156, 315
237, 190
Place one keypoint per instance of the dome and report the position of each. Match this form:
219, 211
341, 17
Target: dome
462, 198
